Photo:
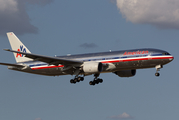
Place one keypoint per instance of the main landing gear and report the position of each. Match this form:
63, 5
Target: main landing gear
76, 79
158, 67
96, 80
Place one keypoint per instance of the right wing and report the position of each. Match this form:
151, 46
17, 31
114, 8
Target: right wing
50, 60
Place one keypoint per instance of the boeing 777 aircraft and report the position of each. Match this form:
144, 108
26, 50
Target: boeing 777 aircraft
122, 63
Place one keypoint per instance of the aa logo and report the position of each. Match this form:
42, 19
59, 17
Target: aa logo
22, 49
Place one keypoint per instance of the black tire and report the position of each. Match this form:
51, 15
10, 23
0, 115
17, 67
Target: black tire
72, 81
157, 74
96, 81
92, 83
82, 78
76, 80
100, 80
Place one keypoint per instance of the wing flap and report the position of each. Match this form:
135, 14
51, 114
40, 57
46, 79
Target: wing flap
47, 59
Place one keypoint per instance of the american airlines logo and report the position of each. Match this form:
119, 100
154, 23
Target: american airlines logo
136, 53
22, 49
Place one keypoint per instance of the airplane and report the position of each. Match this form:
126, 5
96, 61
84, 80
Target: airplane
122, 63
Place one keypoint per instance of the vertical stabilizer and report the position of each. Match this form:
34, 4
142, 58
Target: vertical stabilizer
17, 45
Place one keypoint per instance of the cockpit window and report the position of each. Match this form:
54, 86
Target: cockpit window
166, 53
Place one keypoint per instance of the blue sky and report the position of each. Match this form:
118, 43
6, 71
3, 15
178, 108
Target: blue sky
51, 27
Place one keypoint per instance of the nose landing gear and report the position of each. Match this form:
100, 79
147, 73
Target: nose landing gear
158, 67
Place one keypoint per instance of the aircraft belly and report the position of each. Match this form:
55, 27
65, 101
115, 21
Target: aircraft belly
49, 71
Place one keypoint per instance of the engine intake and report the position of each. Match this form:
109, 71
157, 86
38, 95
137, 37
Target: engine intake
126, 73
93, 67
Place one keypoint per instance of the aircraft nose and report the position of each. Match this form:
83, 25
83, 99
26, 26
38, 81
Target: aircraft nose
171, 58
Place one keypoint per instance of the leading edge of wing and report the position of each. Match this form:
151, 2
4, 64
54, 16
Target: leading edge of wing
47, 59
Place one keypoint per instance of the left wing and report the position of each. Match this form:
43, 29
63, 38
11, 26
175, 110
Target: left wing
47, 59
13, 65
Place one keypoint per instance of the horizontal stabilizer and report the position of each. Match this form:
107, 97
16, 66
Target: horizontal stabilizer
14, 65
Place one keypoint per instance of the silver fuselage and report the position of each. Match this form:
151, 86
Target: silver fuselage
115, 61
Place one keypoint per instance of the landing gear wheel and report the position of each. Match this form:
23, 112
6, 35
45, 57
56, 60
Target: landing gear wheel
72, 81
80, 78
100, 80
76, 80
91, 83
157, 74
96, 81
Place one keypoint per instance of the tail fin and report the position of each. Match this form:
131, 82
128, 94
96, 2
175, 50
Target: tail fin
17, 45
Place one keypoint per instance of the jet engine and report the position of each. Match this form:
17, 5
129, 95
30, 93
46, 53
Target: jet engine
93, 67
126, 73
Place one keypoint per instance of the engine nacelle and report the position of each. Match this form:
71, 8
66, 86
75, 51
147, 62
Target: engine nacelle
126, 73
93, 67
